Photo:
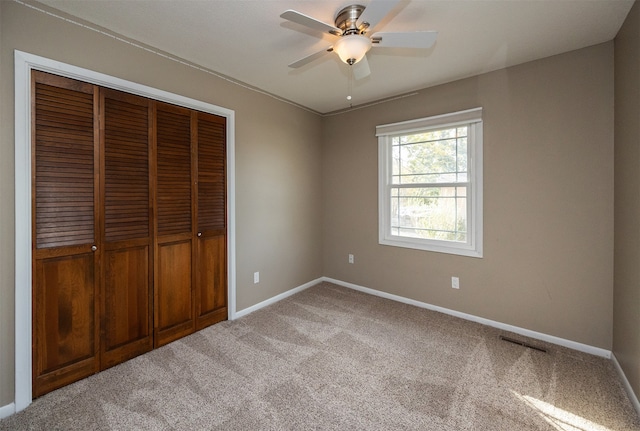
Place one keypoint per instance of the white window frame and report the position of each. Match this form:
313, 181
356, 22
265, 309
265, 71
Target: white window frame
385, 133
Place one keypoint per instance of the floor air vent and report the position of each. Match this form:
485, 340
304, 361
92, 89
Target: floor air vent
523, 343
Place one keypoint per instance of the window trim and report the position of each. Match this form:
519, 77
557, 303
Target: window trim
385, 133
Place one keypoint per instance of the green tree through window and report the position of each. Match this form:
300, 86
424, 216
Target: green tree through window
436, 163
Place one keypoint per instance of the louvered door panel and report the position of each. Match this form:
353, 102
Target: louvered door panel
126, 143
127, 276
211, 292
174, 282
212, 214
174, 170
65, 163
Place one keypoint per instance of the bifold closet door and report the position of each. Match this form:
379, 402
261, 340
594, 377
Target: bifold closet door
174, 275
65, 231
129, 226
211, 291
127, 256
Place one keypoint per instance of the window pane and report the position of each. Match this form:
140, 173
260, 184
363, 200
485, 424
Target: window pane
438, 156
430, 212
462, 159
395, 163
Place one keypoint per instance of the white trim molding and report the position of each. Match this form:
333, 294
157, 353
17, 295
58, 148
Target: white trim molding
8, 410
499, 325
24, 64
473, 115
277, 298
625, 382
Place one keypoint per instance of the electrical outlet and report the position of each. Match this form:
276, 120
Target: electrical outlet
351, 259
455, 282
256, 277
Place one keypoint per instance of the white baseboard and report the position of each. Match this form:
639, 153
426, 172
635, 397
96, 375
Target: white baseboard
8, 410
627, 386
275, 299
515, 329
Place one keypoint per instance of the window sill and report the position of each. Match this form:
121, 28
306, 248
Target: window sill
434, 246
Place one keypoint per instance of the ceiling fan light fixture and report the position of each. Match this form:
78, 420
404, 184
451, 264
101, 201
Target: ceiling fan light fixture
352, 47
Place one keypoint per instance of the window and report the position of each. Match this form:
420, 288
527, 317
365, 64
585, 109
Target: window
430, 183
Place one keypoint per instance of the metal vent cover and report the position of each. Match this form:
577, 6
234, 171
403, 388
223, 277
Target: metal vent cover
522, 343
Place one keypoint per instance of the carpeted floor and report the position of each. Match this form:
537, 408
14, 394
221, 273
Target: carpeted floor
330, 358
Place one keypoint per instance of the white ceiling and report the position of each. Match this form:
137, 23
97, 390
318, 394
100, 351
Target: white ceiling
248, 41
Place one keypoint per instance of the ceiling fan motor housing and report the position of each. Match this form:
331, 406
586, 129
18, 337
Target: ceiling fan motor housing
347, 17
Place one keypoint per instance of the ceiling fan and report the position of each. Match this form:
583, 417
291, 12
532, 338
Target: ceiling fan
352, 27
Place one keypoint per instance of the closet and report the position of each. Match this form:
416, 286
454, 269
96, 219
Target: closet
129, 226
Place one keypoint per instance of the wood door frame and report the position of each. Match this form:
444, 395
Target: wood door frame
23, 65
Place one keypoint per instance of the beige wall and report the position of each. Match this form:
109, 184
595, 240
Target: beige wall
278, 186
626, 299
548, 199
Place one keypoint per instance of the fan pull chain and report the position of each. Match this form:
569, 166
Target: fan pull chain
350, 86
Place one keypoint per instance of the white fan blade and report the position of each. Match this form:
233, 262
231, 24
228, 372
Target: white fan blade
307, 21
310, 58
361, 69
412, 39
374, 13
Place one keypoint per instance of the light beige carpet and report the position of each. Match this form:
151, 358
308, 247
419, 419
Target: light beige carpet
330, 358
